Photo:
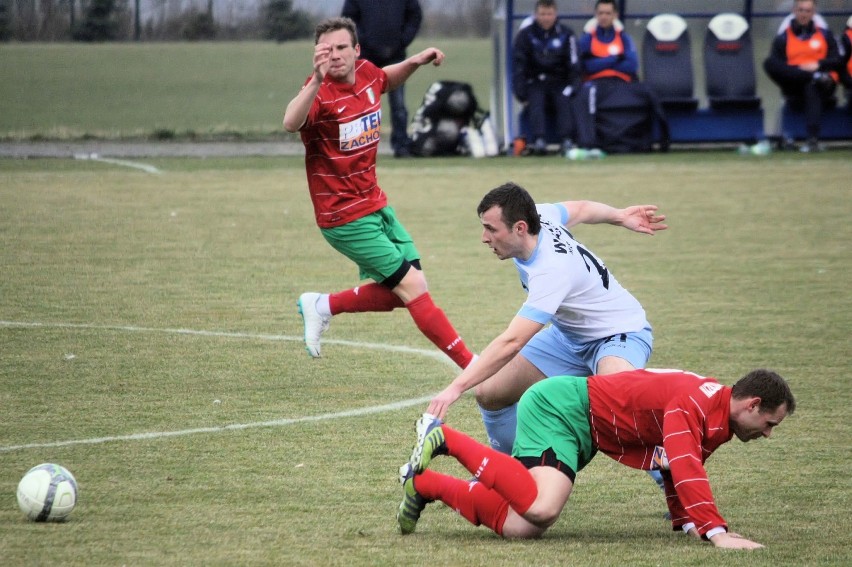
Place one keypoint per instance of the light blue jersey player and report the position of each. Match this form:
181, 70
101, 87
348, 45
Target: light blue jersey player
595, 325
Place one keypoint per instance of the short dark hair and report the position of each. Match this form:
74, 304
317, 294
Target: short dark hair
614, 4
516, 203
767, 385
545, 4
334, 24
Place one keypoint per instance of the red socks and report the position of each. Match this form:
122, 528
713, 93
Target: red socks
476, 503
503, 482
430, 319
506, 475
365, 298
433, 323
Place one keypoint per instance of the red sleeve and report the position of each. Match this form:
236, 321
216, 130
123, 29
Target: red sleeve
315, 106
383, 79
688, 491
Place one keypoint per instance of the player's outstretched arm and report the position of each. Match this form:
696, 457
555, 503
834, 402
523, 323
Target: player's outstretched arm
733, 541
638, 218
398, 73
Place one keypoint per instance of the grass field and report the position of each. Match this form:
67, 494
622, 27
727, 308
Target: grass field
70, 91
130, 302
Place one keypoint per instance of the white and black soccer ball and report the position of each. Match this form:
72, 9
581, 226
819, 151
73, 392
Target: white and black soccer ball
47, 492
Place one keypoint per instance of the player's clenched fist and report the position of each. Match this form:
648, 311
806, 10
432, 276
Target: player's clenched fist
322, 59
431, 55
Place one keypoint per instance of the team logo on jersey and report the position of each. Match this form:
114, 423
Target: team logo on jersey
710, 388
360, 132
371, 95
659, 461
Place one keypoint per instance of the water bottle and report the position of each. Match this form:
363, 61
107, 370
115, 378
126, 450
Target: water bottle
579, 154
489, 138
761, 148
576, 154
472, 140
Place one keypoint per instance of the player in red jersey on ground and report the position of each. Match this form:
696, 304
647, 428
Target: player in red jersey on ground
666, 420
338, 114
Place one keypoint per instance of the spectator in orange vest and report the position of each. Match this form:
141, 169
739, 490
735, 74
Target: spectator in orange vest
804, 61
846, 70
606, 50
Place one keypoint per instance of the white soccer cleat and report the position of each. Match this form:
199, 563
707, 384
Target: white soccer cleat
430, 442
315, 324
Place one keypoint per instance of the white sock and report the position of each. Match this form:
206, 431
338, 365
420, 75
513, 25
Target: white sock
323, 307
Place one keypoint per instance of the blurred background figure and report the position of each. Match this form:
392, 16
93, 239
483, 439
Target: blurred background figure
545, 75
846, 70
606, 50
803, 62
385, 29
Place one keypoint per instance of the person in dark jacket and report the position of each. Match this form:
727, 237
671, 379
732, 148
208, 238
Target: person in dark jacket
545, 74
846, 70
385, 29
803, 62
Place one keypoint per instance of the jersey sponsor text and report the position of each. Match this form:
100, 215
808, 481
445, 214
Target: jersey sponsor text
360, 132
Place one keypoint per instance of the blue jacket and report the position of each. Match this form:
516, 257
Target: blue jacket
540, 55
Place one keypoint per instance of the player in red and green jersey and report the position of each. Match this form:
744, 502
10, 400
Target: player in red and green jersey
338, 114
666, 420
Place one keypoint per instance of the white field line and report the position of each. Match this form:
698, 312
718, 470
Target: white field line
134, 164
236, 426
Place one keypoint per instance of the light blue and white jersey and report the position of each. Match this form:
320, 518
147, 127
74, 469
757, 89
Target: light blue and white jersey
570, 287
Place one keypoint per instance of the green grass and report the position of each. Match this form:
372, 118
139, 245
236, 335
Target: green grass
185, 90
753, 271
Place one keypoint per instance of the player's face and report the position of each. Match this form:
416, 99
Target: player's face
754, 424
605, 14
503, 240
803, 12
343, 54
545, 16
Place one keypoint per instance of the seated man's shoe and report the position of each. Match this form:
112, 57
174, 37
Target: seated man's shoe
812, 146
539, 147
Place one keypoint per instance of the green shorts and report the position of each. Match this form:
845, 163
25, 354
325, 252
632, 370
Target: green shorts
554, 414
377, 243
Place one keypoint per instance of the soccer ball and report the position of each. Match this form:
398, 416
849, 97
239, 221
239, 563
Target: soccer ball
47, 492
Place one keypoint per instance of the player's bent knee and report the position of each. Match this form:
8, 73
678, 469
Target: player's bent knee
490, 399
543, 514
516, 527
